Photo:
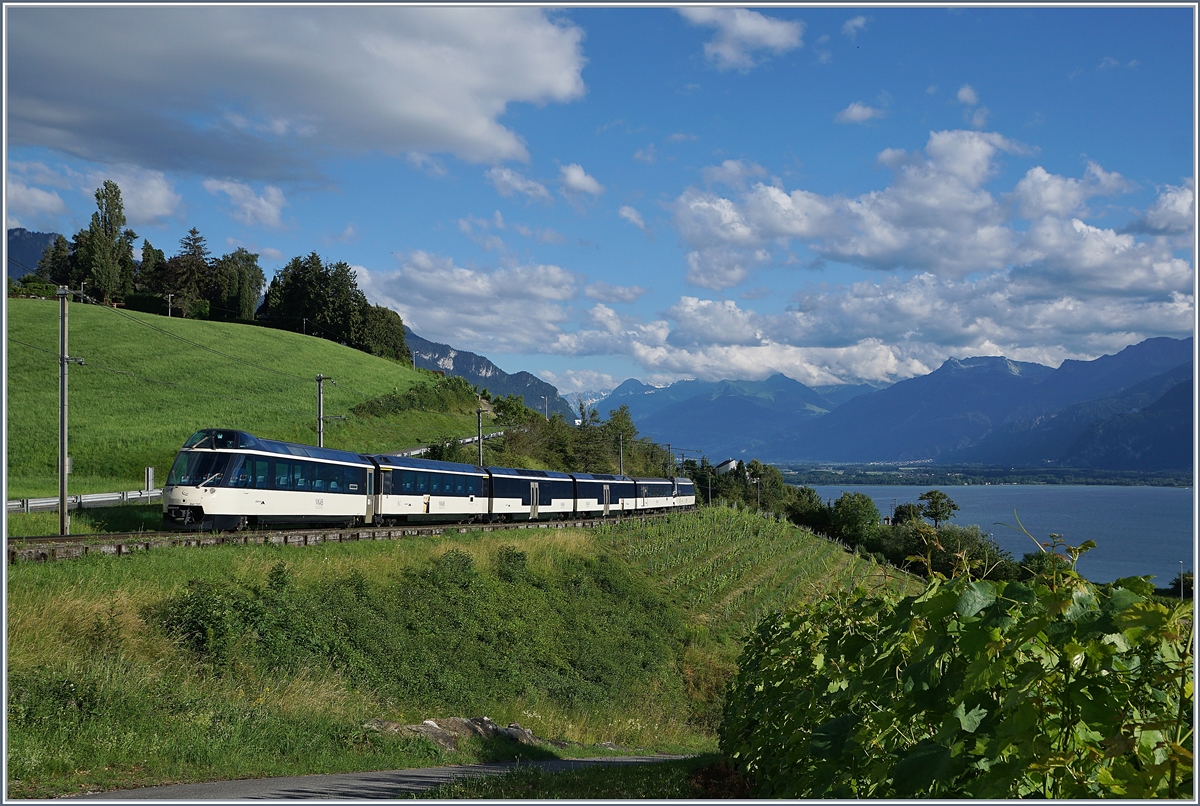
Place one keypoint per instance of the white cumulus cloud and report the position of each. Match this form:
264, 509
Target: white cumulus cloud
309, 80
509, 182
249, 208
854, 25
576, 180
1042, 193
512, 308
631, 215
858, 113
742, 33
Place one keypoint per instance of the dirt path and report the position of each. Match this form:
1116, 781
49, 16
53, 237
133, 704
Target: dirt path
350, 785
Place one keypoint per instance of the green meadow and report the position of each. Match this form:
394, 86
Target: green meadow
148, 382
246, 661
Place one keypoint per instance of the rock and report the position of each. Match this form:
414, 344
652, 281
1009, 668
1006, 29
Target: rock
445, 732
522, 735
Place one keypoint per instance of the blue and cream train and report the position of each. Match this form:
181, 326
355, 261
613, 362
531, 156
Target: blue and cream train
228, 480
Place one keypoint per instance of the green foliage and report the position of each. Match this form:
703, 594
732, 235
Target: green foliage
322, 299
55, 266
986, 689
122, 673
907, 543
31, 285
808, 510
755, 485
937, 506
237, 282
855, 517
109, 256
443, 636
451, 395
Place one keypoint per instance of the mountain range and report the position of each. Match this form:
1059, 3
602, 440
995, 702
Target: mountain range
1128, 411
482, 373
25, 249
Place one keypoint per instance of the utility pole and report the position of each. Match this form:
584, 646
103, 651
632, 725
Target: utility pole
169, 305
64, 462
479, 432
547, 401
320, 411
304, 327
671, 458
621, 449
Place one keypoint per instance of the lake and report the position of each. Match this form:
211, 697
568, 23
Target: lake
1138, 530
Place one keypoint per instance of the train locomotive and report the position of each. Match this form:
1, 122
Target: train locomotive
227, 480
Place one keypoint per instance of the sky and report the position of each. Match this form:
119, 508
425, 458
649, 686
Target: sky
839, 194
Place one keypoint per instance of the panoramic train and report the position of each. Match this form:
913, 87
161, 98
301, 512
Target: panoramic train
226, 480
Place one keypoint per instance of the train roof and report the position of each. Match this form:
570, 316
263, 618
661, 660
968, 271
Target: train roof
601, 477
533, 474
413, 463
231, 439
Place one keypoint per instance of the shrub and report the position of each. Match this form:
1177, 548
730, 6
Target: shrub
984, 689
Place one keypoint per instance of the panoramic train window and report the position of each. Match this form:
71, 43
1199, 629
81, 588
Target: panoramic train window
408, 482
195, 469
422, 484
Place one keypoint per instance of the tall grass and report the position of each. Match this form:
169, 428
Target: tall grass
228, 661
141, 393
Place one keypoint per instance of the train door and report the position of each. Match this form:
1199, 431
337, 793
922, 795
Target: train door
533, 500
606, 500
371, 508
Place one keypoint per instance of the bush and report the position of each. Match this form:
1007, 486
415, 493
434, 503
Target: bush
149, 303
1053, 688
451, 395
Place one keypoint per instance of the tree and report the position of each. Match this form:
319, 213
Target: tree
151, 274
55, 264
189, 273
854, 517
110, 244
383, 335
620, 432
905, 513
308, 296
937, 506
237, 283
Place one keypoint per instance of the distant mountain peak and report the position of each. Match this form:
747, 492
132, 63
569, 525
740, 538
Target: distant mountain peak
480, 371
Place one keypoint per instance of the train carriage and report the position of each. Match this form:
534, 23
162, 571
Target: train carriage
518, 494
601, 494
655, 494
685, 492
415, 490
227, 479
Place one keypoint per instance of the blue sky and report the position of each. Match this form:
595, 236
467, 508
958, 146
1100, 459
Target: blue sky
837, 194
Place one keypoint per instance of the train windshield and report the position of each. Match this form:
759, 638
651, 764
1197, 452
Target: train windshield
193, 469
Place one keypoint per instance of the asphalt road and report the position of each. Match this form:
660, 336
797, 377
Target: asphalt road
347, 786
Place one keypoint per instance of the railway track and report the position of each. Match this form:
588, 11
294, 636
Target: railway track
48, 549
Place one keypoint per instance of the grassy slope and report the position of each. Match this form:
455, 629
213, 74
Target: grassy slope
121, 424
85, 656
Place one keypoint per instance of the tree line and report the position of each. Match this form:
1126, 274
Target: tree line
307, 295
